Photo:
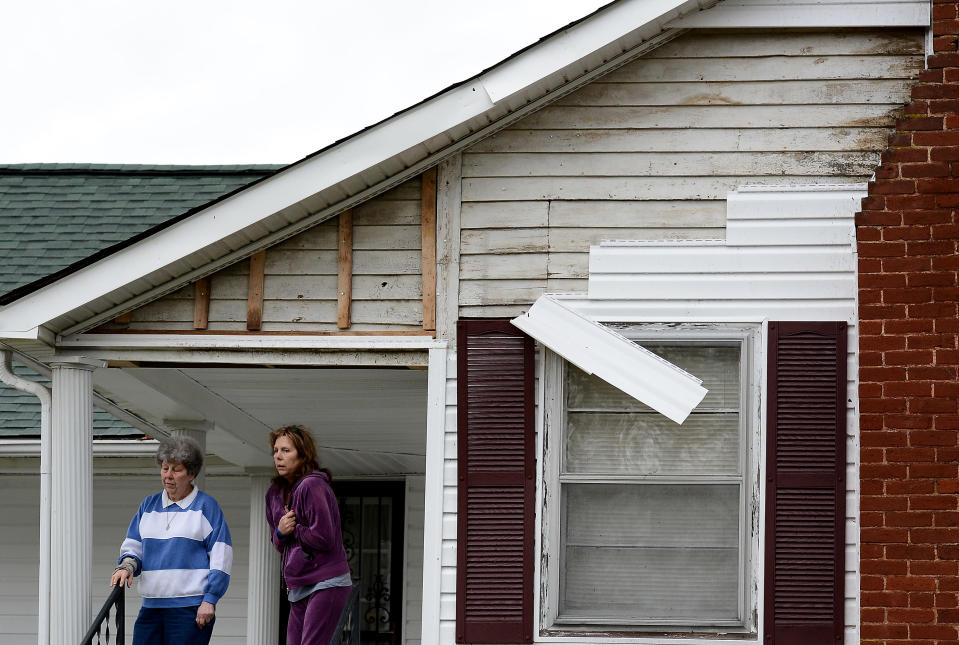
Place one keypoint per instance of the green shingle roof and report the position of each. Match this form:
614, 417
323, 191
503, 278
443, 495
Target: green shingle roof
53, 216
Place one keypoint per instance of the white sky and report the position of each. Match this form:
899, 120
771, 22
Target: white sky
237, 81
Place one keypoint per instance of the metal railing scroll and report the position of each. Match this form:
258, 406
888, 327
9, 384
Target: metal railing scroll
100, 632
348, 628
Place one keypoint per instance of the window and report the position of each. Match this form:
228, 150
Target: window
646, 522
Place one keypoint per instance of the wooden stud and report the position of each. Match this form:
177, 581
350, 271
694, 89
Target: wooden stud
201, 303
428, 219
254, 306
344, 285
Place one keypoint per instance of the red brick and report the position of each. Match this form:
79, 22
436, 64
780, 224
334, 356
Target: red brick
908, 326
907, 295
936, 75
933, 502
912, 124
945, 293
935, 247
946, 107
946, 518
883, 471
870, 487
936, 138
947, 325
892, 172
873, 583
945, 232
949, 583
883, 536
877, 218
896, 583
893, 233
947, 422
950, 263
936, 568
930, 341
884, 631
948, 487
948, 615
868, 234
870, 327
911, 615
877, 615
883, 405
884, 598
870, 296
872, 312
932, 536
882, 249
948, 389
922, 599
905, 265
907, 388
909, 357
906, 155
947, 600
910, 552
948, 551
909, 186
873, 202
880, 374
884, 503
927, 216
933, 471
884, 439
930, 279
908, 519
869, 265
932, 310
910, 202
947, 200
870, 390
909, 421
910, 455
933, 631
872, 455
917, 108
932, 406
910, 487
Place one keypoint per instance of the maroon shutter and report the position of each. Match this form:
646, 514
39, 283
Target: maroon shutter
805, 483
496, 469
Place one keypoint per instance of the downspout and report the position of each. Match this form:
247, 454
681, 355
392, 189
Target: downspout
43, 393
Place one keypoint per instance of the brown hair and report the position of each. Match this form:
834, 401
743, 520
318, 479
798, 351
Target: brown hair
303, 442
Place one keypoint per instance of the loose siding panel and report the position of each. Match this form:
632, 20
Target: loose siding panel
650, 151
300, 282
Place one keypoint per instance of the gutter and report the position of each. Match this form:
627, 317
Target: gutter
43, 393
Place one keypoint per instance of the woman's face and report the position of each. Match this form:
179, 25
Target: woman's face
176, 480
285, 457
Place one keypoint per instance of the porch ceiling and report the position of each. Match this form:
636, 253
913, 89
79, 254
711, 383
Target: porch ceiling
365, 421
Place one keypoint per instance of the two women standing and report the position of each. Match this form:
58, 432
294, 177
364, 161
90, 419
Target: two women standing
179, 544
305, 523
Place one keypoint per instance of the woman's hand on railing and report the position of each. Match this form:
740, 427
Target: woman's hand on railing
121, 576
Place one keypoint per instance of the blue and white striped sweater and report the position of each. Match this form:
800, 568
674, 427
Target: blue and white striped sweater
183, 550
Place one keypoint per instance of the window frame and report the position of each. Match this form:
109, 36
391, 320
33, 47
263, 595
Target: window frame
550, 446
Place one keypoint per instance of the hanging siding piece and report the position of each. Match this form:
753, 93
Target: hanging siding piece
201, 303
344, 259
254, 307
598, 350
428, 210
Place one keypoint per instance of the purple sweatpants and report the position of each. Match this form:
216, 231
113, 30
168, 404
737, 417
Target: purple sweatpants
313, 619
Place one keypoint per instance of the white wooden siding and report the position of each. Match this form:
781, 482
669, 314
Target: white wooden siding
116, 498
300, 282
649, 151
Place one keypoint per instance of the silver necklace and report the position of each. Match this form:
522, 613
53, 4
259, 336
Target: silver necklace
171, 515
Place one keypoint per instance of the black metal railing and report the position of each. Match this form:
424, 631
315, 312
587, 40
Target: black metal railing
99, 632
348, 628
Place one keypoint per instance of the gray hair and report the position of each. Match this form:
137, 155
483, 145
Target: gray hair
181, 450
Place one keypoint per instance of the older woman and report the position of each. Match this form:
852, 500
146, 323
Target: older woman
305, 525
179, 545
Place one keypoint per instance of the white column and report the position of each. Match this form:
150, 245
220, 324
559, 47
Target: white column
71, 499
195, 430
263, 600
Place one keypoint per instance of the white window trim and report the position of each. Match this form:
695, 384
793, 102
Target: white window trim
548, 524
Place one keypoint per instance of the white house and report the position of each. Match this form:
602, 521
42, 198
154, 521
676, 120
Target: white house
586, 321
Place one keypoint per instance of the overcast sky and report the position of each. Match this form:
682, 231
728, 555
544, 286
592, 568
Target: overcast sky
237, 81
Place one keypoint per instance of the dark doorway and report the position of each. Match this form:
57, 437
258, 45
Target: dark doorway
372, 519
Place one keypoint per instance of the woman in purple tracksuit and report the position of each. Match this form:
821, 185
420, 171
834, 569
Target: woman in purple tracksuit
305, 523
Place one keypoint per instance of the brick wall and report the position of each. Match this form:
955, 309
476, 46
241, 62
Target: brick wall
909, 357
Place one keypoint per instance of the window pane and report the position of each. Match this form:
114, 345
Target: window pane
651, 444
654, 553
717, 366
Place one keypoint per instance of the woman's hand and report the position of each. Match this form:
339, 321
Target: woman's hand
121, 576
287, 523
204, 615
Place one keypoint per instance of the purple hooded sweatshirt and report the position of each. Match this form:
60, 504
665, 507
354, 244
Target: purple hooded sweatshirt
314, 551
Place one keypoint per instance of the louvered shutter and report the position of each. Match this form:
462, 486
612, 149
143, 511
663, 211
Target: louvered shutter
494, 576
805, 502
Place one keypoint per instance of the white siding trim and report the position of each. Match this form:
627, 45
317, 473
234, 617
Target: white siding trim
598, 350
433, 516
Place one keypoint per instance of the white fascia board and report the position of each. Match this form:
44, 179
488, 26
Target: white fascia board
596, 349
244, 209
909, 13
243, 342
574, 43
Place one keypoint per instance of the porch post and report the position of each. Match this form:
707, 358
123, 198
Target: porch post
71, 499
263, 599
195, 430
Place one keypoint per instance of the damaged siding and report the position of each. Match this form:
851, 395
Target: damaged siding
650, 150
